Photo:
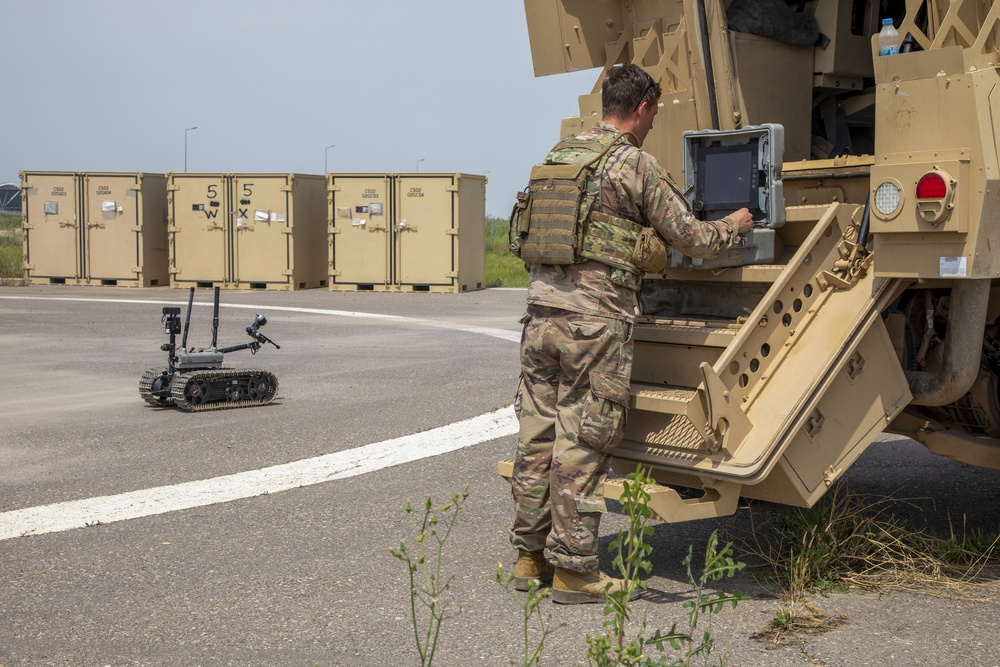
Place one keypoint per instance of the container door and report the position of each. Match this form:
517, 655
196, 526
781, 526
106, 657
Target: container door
361, 219
261, 230
198, 226
111, 226
425, 234
52, 206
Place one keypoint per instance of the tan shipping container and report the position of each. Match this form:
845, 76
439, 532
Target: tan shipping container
51, 219
359, 231
198, 229
247, 231
125, 229
94, 228
407, 232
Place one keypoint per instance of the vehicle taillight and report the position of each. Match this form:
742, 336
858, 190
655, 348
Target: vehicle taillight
931, 186
935, 194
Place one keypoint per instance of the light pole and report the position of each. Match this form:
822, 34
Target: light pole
418, 164
186, 147
326, 153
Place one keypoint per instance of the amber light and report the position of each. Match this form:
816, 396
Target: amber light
931, 186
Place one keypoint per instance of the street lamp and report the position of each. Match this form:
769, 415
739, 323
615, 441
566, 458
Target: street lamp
418, 164
326, 153
186, 147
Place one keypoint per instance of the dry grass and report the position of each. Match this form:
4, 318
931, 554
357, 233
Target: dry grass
852, 541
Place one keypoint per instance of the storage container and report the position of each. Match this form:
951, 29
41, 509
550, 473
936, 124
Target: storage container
125, 229
94, 228
407, 232
51, 220
248, 231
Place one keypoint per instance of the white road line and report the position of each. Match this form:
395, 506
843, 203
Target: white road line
348, 463
502, 334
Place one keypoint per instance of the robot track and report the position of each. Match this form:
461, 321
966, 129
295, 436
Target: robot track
155, 379
223, 389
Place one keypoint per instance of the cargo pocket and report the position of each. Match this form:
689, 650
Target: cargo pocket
586, 524
587, 330
602, 423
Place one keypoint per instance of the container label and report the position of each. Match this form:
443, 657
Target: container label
103, 189
369, 193
360, 209
953, 267
58, 191
415, 192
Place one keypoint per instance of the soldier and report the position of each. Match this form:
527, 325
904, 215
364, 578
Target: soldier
576, 348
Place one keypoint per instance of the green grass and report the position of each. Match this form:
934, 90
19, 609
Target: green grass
11, 265
10, 221
502, 268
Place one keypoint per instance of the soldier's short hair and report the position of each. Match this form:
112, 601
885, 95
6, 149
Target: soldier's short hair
625, 88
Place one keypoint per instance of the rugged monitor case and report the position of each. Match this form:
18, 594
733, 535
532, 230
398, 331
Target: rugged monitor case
732, 169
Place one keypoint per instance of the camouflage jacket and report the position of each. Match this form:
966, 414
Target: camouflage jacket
635, 186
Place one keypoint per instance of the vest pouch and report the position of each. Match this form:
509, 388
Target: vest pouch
650, 255
517, 228
555, 192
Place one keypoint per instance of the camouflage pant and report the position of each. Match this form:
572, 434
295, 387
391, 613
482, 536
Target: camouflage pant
571, 404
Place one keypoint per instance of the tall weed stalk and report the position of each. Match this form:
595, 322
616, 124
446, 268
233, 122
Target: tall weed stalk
428, 582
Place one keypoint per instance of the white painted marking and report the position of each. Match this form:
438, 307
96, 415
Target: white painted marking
339, 465
502, 334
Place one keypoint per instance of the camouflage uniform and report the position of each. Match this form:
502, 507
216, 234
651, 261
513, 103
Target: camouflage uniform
576, 362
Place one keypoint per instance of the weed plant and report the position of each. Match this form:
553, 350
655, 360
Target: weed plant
429, 583
693, 644
530, 606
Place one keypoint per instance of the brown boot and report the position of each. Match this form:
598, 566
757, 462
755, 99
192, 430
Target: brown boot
573, 588
532, 565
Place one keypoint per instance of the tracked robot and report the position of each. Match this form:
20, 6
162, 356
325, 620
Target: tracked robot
195, 380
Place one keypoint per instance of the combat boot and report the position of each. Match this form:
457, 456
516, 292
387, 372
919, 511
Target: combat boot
531, 565
573, 588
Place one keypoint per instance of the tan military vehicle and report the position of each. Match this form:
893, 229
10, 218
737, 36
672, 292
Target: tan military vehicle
864, 300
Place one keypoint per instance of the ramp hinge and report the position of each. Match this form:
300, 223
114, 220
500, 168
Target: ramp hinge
855, 365
815, 423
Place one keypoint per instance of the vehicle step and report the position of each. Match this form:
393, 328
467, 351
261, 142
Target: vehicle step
717, 334
661, 398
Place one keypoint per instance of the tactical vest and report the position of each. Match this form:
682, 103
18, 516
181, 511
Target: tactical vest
556, 219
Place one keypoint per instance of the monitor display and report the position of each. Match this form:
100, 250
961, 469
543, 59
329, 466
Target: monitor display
727, 179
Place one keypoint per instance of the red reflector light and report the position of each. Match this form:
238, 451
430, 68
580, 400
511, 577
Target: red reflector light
931, 186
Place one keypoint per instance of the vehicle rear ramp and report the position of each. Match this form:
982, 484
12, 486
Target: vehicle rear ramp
774, 405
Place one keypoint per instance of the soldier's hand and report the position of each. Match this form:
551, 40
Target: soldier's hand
743, 220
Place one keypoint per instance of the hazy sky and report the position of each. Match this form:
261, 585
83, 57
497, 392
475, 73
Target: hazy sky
111, 85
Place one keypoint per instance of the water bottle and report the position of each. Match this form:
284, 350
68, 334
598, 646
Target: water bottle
888, 39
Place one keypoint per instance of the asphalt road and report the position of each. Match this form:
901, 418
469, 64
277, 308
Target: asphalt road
303, 576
